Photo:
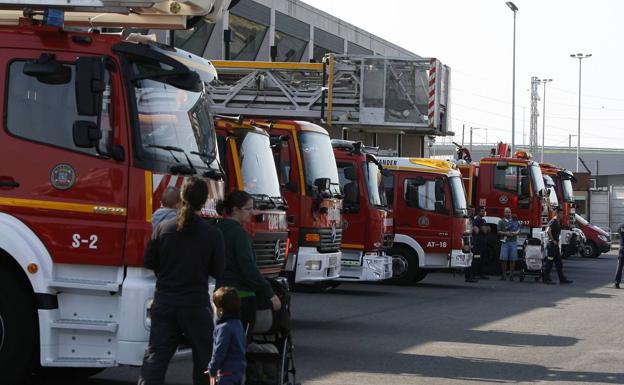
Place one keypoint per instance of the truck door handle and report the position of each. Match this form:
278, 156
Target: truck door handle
8, 182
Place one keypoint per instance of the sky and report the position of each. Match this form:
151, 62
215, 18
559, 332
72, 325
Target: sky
475, 39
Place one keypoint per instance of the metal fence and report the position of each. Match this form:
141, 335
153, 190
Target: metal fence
606, 207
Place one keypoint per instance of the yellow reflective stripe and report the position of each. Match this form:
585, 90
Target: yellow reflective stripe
63, 206
267, 65
239, 175
352, 246
149, 195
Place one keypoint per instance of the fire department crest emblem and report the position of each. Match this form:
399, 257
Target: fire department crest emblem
423, 221
63, 176
503, 199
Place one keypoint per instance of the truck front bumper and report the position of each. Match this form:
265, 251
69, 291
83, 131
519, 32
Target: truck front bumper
313, 266
369, 267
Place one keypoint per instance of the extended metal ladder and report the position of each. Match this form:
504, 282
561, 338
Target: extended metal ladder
367, 92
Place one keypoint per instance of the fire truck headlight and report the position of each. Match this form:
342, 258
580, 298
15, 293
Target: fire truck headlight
313, 265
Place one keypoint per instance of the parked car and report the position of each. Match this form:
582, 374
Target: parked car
596, 242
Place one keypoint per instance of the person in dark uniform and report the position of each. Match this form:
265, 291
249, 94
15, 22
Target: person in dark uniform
480, 230
553, 254
183, 252
618, 272
241, 271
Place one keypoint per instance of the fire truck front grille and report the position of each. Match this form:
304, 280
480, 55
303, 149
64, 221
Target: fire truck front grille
331, 239
270, 253
388, 241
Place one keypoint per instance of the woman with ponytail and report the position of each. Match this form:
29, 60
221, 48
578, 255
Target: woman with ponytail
241, 271
183, 252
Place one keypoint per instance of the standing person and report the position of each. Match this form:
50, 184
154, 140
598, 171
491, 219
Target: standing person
480, 229
170, 203
241, 271
227, 365
183, 252
470, 271
508, 230
618, 271
553, 254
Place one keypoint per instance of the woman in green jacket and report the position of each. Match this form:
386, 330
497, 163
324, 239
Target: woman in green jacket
241, 270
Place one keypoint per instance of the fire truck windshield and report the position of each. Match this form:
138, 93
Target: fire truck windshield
318, 160
460, 207
537, 178
170, 116
568, 191
256, 160
374, 185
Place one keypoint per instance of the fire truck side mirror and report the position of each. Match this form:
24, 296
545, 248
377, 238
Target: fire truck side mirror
48, 70
350, 173
439, 190
524, 186
86, 134
89, 85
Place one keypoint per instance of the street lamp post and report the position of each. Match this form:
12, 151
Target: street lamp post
513, 7
580, 58
476, 128
544, 81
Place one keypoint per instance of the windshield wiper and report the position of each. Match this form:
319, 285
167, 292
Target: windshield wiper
211, 173
271, 200
177, 169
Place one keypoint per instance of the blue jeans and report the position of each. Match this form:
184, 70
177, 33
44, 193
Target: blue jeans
509, 251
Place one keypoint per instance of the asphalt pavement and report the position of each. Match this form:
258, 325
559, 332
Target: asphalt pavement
446, 331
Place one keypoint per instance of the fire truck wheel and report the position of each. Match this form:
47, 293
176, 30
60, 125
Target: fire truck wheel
18, 329
408, 259
589, 250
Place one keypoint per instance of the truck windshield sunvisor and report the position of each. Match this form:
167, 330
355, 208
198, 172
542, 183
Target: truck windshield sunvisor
318, 160
256, 163
460, 206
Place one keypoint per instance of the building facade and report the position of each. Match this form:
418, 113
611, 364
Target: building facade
292, 31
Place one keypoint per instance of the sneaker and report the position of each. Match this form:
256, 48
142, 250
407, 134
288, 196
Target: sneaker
565, 281
549, 282
617, 286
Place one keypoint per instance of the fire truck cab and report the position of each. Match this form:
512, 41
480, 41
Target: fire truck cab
367, 219
246, 151
432, 228
94, 129
309, 181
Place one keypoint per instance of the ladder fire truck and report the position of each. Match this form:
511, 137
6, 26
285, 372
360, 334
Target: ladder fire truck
368, 230
431, 221
99, 126
246, 152
501, 180
348, 91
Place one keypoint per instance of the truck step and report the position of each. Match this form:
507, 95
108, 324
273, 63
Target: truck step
93, 325
82, 362
83, 284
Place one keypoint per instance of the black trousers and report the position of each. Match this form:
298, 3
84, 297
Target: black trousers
618, 272
169, 324
553, 257
249, 306
475, 268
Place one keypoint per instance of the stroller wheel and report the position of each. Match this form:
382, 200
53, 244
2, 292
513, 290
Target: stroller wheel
288, 371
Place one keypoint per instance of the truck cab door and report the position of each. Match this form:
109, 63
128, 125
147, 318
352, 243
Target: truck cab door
422, 212
73, 197
354, 221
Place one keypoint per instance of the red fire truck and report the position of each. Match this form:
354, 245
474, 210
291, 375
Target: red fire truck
306, 168
367, 219
94, 129
246, 152
432, 228
500, 181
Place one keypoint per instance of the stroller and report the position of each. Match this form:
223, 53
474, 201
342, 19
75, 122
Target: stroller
270, 352
533, 260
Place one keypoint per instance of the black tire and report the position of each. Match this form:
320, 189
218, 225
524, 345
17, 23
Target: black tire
18, 329
411, 273
288, 372
589, 250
